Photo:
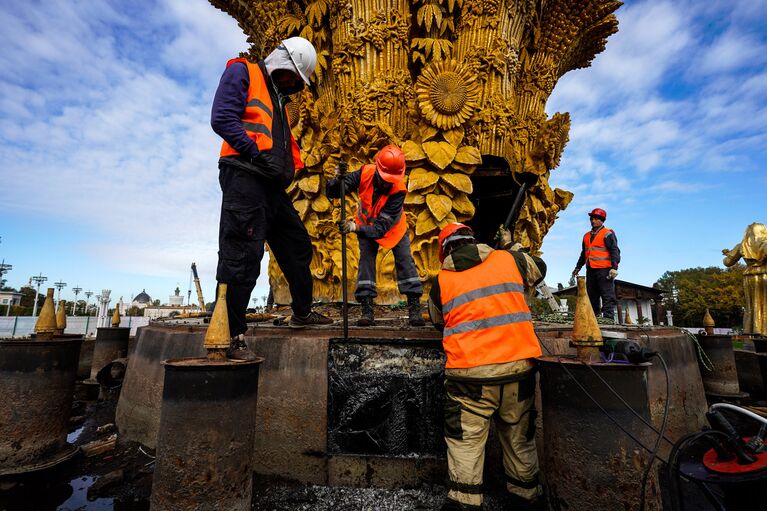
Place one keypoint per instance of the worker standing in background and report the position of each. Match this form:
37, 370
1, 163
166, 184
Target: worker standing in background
380, 221
258, 160
601, 255
478, 302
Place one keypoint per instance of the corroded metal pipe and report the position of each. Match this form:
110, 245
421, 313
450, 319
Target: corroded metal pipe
37, 381
588, 461
111, 344
723, 379
207, 432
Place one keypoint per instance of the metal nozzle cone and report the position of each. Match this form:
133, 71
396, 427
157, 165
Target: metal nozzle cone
708, 320
218, 335
61, 317
585, 326
46, 321
116, 317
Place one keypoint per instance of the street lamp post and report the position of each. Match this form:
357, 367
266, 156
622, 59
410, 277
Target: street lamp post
76, 290
5, 268
38, 279
88, 295
59, 286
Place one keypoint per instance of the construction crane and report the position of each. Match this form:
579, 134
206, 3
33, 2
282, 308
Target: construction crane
199, 289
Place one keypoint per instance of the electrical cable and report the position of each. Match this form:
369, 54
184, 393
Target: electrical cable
628, 406
660, 436
734, 408
673, 475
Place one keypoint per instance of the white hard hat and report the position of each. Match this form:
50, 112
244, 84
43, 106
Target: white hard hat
303, 55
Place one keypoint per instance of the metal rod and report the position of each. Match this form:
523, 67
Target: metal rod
342, 166
515, 207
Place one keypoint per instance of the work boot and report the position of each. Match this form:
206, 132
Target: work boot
239, 351
367, 318
414, 310
313, 318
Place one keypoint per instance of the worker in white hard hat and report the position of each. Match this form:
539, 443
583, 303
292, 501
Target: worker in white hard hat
258, 160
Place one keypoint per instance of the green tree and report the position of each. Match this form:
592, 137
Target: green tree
135, 311
28, 297
689, 292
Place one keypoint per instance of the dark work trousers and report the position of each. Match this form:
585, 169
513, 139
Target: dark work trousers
598, 285
254, 210
408, 281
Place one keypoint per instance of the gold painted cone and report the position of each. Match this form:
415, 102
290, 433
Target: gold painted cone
585, 326
218, 336
627, 319
46, 321
708, 322
61, 317
116, 317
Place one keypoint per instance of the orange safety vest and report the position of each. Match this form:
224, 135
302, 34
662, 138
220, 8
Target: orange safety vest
257, 118
597, 255
367, 212
487, 320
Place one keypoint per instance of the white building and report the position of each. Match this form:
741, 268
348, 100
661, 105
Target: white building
140, 301
9, 299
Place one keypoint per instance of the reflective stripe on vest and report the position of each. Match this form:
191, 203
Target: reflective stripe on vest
487, 320
258, 115
597, 254
367, 212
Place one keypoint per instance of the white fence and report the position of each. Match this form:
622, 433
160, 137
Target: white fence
22, 326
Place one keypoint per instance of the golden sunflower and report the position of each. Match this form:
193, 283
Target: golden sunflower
447, 94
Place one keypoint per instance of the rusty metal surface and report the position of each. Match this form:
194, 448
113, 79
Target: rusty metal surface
291, 430
111, 344
752, 372
687, 404
86, 359
138, 410
37, 380
590, 464
205, 444
723, 379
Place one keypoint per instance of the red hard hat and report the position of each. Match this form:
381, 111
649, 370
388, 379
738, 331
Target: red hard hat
600, 213
445, 233
390, 162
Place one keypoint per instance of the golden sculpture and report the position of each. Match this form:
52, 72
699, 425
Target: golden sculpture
753, 250
460, 85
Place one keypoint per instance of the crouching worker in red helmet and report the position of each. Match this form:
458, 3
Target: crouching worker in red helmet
380, 222
478, 301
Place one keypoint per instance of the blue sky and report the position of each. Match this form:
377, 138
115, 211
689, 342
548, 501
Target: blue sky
108, 175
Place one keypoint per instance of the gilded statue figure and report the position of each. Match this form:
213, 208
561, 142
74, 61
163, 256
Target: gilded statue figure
753, 250
460, 85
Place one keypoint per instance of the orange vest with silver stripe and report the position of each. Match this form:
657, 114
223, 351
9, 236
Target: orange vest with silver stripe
597, 255
258, 115
487, 320
367, 212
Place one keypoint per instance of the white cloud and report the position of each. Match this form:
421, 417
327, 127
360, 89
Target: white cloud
94, 129
731, 51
